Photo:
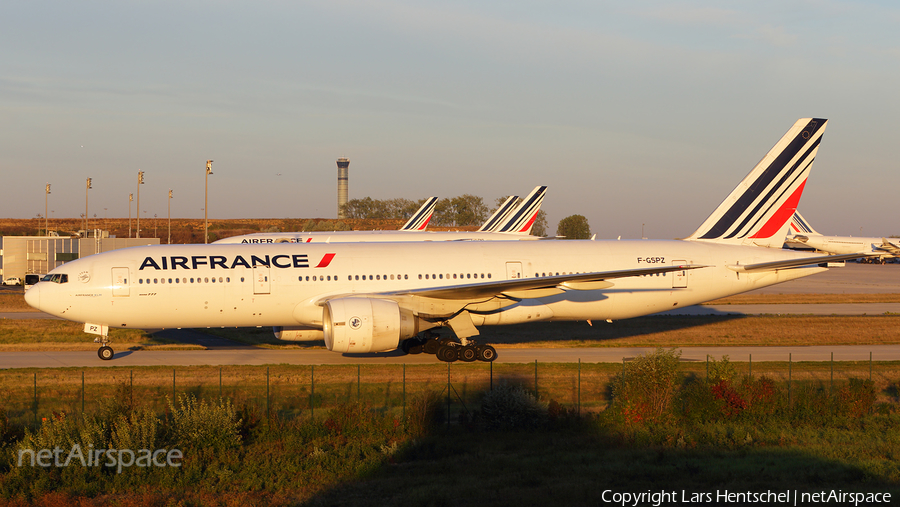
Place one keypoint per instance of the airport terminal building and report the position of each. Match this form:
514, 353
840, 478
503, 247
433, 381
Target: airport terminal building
21, 255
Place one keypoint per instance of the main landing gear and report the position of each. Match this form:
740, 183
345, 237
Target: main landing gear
448, 350
105, 352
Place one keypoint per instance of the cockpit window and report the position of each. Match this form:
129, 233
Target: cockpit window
56, 278
46, 278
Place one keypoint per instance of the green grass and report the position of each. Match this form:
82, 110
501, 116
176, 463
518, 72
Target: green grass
361, 454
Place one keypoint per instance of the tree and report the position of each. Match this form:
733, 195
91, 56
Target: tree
574, 227
540, 225
460, 211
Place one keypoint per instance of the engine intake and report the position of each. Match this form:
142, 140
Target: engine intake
364, 325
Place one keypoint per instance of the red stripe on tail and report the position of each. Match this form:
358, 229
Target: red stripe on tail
787, 210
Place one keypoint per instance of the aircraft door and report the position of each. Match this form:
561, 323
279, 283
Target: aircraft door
261, 283
120, 286
679, 280
513, 270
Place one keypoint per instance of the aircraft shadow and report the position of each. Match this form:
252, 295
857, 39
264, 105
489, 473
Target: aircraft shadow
599, 332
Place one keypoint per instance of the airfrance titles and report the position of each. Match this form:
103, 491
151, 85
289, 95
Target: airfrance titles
176, 262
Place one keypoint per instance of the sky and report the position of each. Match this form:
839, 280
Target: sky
641, 116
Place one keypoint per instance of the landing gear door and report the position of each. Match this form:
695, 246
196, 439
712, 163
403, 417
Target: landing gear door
120, 286
261, 283
679, 278
513, 270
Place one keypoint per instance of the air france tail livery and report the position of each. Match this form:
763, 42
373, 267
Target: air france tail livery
370, 297
803, 236
508, 223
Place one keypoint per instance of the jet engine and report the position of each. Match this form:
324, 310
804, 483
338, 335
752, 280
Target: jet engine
298, 334
366, 325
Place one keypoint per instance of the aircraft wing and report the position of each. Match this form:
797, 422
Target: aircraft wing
519, 288
795, 263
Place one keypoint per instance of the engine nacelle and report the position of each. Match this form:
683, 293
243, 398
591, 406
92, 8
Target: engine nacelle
364, 325
298, 334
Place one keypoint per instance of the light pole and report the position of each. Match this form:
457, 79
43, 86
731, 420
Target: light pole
154, 226
206, 203
169, 241
140, 182
46, 199
86, 216
130, 198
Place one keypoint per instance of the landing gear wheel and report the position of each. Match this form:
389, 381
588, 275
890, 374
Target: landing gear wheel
447, 353
431, 346
417, 347
487, 354
468, 354
405, 346
105, 352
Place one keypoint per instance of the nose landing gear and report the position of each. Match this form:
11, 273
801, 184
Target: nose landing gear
105, 352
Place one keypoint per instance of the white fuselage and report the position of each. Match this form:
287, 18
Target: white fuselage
169, 286
843, 244
371, 237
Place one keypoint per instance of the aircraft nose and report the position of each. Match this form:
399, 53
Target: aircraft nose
33, 297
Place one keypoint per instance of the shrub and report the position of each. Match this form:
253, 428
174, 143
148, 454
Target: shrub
645, 388
201, 424
423, 412
511, 406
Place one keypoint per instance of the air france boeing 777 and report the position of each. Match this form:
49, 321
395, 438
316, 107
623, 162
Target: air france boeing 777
511, 222
370, 297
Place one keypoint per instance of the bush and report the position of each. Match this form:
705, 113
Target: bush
200, 424
646, 387
509, 406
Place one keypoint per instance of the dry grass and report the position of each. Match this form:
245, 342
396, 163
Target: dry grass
780, 299
677, 331
14, 302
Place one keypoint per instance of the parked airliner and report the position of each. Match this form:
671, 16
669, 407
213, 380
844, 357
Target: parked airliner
511, 222
803, 236
370, 297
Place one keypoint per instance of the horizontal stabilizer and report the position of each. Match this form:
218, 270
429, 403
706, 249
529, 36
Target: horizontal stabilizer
795, 263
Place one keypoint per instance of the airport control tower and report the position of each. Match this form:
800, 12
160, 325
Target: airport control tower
343, 183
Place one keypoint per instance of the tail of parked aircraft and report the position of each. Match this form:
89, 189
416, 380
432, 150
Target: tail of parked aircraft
419, 220
799, 226
758, 211
493, 223
522, 219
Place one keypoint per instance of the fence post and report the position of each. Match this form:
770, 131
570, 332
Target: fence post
220, 382
751, 366
579, 386
34, 403
831, 386
358, 380
707, 366
82, 394
870, 365
404, 396
268, 412
448, 395
131, 390
312, 391
173, 385
535, 379
492, 375
790, 364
